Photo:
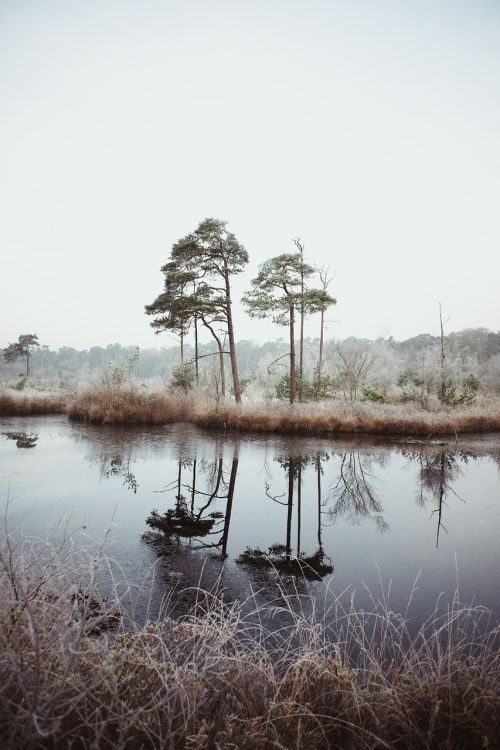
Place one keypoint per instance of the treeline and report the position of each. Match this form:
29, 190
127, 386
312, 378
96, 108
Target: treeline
472, 351
197, 297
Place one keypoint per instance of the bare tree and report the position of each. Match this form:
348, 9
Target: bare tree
353, 363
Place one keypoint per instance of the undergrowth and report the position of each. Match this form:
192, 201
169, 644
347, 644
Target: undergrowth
77, 671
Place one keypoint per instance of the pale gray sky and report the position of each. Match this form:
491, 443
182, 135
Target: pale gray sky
368, 128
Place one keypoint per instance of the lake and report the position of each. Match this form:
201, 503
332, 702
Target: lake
259, 514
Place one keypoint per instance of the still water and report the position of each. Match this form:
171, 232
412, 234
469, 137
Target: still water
251, 513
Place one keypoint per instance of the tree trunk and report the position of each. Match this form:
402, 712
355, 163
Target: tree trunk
196, 349
232, 348
443, 379
27, 364
318, 476
301, 342
221, 356
182, 345
179, 479
229, 506
193, 488
289, 514
293, 378
320, 361
299, 506
222, 370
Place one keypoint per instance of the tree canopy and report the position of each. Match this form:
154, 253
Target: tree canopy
23, 347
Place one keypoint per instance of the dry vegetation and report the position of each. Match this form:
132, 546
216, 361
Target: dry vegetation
20, 406
132, 405
119, 405
335, 417
73, 674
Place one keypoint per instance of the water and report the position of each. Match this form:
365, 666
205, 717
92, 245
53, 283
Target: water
328, 515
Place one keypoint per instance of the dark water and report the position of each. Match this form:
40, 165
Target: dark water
325, 515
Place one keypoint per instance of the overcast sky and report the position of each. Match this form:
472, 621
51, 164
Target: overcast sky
369, 129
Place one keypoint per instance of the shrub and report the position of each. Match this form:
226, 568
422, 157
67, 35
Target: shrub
305, 388
183, 376
469, 389
369, 393
21, 383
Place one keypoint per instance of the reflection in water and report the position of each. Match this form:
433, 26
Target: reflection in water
436, 471
22, 439
279, 556
237, 511
187, 522
287, 522
353, 493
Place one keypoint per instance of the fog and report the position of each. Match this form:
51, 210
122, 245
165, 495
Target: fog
370, 130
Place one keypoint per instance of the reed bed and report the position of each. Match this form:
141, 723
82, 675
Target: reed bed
76, 671
22, 406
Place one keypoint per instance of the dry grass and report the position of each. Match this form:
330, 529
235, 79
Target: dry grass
21, 406
133, 405
130, 405
336, 417
221, 679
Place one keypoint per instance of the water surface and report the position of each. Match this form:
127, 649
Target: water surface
248, 511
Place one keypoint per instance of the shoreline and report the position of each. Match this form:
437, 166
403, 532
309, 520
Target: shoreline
128, 407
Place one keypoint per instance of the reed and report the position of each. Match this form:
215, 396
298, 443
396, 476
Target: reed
74, 674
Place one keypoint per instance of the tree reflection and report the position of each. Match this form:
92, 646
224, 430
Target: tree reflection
187, 521
279, 556
22, 439
436, 472
353, 494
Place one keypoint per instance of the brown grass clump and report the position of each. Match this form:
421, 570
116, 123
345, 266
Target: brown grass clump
130, 405
218, 678
22, 406
335, 417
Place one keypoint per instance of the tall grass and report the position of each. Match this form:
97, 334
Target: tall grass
219, 678
335, 417
27, 405
132, 405
124, 404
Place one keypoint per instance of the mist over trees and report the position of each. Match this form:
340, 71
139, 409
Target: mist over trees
287, 290
24, 347
472, 351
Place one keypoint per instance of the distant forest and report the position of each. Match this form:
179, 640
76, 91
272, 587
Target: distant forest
475, 350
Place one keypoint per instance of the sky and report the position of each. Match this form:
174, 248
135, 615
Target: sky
368, 128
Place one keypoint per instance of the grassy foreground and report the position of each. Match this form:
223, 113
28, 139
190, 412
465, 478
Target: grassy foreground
133, 405
77, 672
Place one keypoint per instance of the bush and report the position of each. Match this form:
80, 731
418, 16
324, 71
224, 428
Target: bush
305, 388
183, 377
21, 383
369, 393
469, 389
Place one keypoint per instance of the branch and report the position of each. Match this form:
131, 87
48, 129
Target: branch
276, 360
211, 354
